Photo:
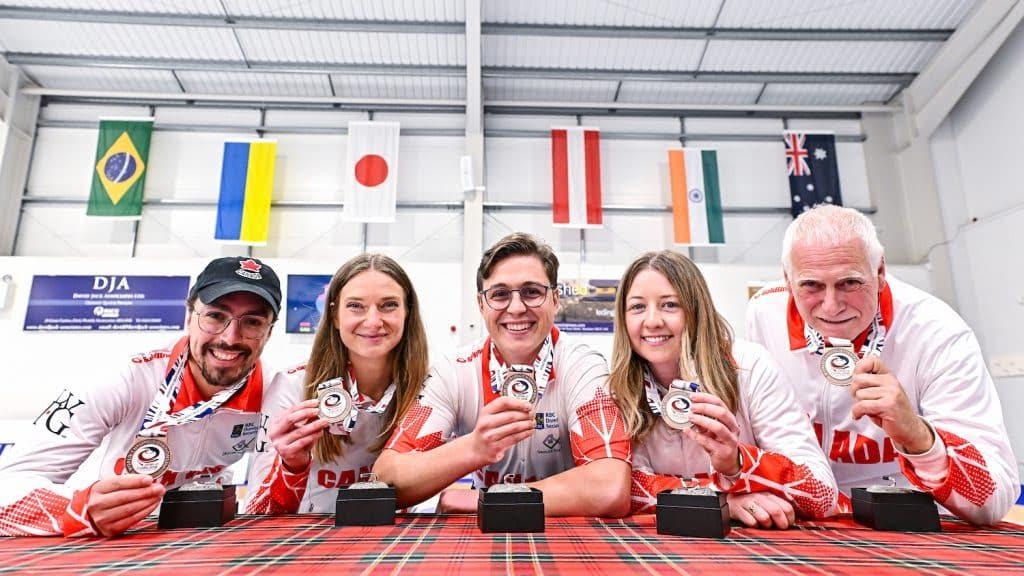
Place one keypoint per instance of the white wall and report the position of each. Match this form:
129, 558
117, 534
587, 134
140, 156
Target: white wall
978, 169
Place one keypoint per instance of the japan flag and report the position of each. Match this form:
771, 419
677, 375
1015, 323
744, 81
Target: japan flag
371, 172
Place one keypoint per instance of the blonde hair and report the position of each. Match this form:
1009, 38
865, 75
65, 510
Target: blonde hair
830, 225
329, 357
706, 342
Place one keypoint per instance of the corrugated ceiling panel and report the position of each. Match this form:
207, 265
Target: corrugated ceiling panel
843, 14
144, 6
415, 87
659, 13
763, 56
104, 79
689, 92
352, 47
827, 94
252, 83
553, 90
610, 53
414, 10
94, 39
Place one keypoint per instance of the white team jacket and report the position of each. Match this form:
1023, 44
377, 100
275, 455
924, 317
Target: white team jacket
936, 358
780, 454
316, 488
33, 498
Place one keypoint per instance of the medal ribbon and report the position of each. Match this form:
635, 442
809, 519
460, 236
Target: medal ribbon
359, 402
541, 368
873, 345
653, 393
158, 420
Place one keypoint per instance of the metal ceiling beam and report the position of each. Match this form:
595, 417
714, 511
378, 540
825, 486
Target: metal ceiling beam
701, 33
179, 64
458, 28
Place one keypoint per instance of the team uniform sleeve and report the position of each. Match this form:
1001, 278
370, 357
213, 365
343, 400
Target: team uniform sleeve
33, 498
430, 421
596, 429
645, 484
279, 491
958, 399
786, 459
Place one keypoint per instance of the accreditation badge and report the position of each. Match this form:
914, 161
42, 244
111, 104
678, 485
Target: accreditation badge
519, 385
148, 455
837, 364
335, 403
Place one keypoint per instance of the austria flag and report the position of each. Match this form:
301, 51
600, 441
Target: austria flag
576, 177
372, 172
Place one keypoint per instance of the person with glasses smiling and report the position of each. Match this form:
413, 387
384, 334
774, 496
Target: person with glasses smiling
525, 404
204, 390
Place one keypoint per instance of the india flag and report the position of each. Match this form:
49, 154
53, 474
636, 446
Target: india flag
696, 199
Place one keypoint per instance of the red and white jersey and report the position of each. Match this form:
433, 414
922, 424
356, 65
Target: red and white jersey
33, 498
315, 489
780, 452
576, 421
936, 358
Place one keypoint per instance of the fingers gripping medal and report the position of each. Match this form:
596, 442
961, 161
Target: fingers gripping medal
519, 384
838, 361
335, 404
148, 455
677, 405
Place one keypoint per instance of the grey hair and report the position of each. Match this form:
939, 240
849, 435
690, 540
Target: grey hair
830, 225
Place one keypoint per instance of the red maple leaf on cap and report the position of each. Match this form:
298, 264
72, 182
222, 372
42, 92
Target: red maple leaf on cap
250, 265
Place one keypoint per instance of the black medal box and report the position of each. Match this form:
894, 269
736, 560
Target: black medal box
698, 515
365, 506
197, 508
510, 511
903, 511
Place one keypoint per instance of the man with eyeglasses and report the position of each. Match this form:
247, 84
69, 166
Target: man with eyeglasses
524, 405
173, 415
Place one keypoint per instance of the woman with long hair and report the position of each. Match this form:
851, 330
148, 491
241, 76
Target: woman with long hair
702, 405
370, 357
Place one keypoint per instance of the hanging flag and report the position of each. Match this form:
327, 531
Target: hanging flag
696, 198
813, 173
246, 184
372, 172
576, 177
119, 175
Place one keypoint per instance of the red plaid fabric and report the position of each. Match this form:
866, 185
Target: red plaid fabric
453, 544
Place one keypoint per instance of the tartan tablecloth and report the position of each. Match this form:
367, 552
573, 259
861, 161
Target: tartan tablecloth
453, 544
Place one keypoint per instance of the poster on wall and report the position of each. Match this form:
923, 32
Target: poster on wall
110, 303
307, 294
587, 306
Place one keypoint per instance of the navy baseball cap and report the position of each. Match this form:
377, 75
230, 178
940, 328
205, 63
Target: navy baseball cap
231, 274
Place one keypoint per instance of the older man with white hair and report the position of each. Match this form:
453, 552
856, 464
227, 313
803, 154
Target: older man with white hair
892, 378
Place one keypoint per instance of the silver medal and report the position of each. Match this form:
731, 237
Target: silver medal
519, 385
335, 404
675, 409
148, 455
837, 364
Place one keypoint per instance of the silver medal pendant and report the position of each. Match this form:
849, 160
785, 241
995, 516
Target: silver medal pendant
335, 404
148, 455
675, 409
837, 364
519, 385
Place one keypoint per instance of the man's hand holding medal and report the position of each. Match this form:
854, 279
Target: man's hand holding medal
878, 395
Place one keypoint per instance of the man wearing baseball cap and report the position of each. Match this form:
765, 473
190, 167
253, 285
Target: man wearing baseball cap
175, 414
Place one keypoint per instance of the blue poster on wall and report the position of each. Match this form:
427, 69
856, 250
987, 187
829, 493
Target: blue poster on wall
586, 306
306, 296
143, 303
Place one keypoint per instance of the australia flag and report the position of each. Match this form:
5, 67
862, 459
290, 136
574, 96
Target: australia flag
812, 169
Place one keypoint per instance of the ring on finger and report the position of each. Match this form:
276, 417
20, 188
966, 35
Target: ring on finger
752, 508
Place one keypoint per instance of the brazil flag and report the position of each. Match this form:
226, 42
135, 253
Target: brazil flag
119, 174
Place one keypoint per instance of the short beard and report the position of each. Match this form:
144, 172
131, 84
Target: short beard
222, 378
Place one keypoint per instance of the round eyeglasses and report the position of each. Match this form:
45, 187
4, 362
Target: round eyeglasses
531, 295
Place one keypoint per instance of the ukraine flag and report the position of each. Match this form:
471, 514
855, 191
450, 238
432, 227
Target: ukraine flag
119, 174
246, 184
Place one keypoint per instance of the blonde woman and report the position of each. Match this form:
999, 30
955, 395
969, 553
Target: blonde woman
371, 345
747, 435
